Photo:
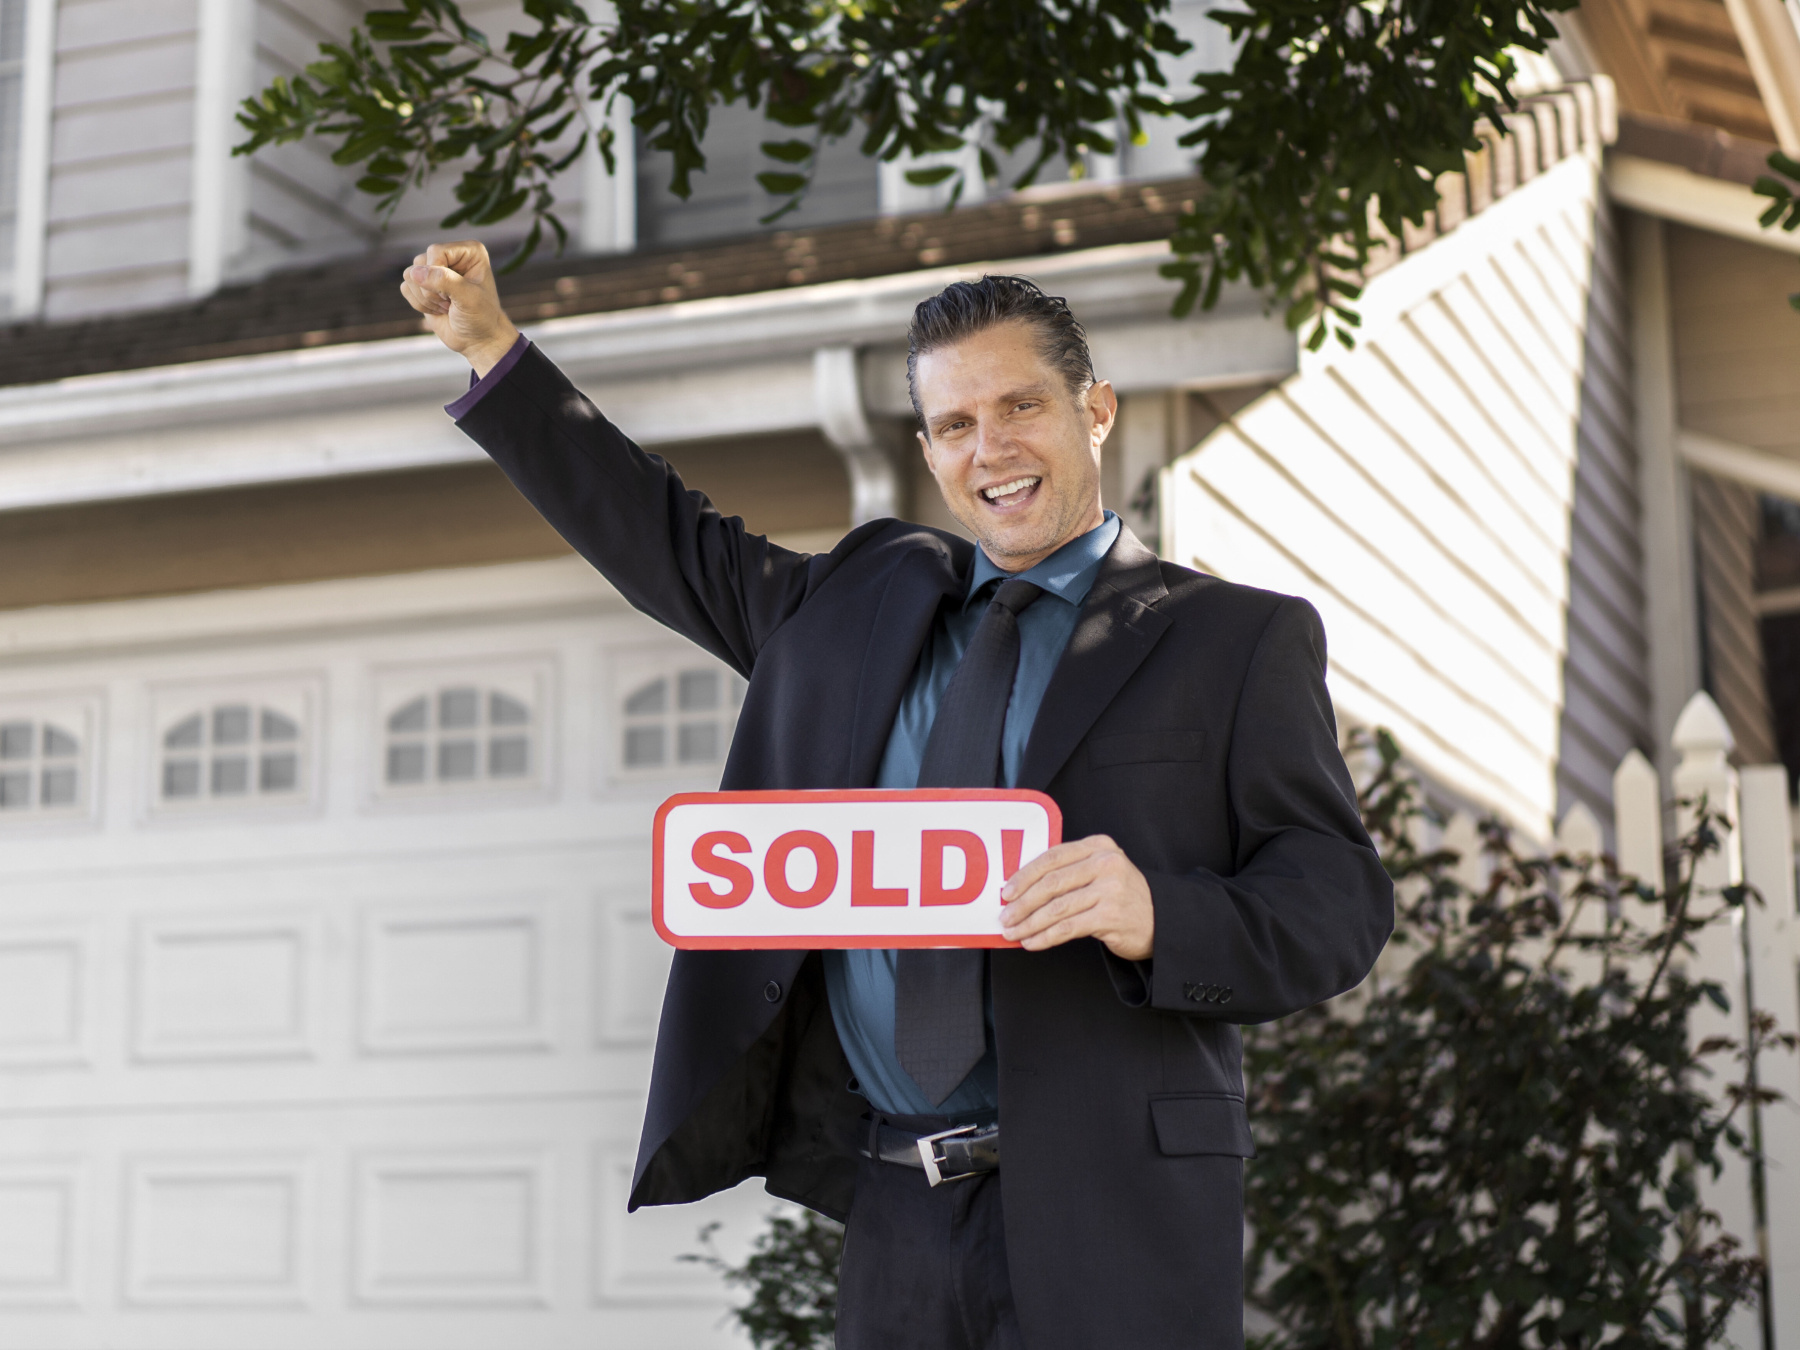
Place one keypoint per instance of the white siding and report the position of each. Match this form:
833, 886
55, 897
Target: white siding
120, 160
301, 204
122, 157
1456, 497
304, 208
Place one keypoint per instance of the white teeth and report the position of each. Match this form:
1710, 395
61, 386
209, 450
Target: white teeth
994, 494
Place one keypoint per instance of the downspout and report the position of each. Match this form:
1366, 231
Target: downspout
837, 399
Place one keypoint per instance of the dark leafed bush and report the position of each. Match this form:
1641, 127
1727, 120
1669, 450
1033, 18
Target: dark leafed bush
1495, 1142
791, 1274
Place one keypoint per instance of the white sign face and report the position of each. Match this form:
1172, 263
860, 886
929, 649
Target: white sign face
866, 868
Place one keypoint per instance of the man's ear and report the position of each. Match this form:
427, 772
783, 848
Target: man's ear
1103, 407
925, 445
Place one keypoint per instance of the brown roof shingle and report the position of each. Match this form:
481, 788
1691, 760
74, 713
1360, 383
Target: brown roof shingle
358, 299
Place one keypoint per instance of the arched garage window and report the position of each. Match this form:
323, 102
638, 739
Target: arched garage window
460, 735
232, 751
40, 768
680, 719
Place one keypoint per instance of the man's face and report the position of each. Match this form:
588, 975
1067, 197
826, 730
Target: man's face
1016, 455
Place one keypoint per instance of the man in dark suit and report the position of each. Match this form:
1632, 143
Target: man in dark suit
1216, 871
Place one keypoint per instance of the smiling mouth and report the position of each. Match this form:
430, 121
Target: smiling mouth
1010, 492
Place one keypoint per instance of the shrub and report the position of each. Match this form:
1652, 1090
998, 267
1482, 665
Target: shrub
1496, 1144
792, 1274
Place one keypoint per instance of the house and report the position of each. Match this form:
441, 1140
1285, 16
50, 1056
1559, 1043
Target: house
1550, 494
327, 982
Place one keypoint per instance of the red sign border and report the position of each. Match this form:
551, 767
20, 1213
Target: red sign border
830, 941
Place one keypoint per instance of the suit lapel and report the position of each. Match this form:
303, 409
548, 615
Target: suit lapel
1115, 632
902, 623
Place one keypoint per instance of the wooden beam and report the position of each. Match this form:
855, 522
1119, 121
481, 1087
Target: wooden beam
1772, 47
1618, 37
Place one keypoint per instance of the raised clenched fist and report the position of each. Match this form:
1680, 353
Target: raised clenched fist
452, 285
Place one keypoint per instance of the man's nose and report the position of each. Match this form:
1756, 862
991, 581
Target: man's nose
990, 441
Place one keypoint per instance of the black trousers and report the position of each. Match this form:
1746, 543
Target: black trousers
924, 1268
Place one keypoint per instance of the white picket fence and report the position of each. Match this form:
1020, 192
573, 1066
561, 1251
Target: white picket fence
1756, 958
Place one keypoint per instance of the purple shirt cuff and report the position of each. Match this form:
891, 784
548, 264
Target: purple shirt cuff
479, 388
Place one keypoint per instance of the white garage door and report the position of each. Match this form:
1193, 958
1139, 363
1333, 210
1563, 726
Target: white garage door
327, 983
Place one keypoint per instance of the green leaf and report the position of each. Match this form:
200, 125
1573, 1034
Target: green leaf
788, 152
930, 177
1784, 163
522, 254
781, 184
360, 147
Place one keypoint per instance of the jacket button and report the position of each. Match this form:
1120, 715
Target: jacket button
1194, 993
1225, 996
772, 991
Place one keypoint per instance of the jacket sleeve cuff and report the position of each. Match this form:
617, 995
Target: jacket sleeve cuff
480, 388
1132, 981
1183, 979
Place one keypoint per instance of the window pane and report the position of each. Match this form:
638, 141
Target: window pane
280, 772
231, 724
643, 747
652, 698
230, 776
505, 711
185, 733
11, 87
58, 788
12, 30
412, 717
456, 759
699, 690
275, 727
406, 764
15, 740
181, 777
699, 743
509, 757
59, 744
15, 791
458, 708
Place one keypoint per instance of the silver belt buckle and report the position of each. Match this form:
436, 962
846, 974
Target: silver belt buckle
931, 1160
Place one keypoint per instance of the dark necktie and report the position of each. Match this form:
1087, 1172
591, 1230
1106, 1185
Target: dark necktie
939, 1030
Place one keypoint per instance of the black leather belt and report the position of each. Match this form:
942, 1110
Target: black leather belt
949, 1155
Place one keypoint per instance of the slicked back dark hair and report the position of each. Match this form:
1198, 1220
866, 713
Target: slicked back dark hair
965, 308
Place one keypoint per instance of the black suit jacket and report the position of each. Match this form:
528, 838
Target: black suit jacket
1188, 719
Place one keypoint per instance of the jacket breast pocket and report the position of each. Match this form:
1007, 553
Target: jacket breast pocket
1202, 1122
1145, 747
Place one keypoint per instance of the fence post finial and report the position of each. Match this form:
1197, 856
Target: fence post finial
1580, 831
1637, 818
1702, 730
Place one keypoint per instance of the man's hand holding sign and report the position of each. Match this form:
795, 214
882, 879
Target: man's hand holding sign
888, 959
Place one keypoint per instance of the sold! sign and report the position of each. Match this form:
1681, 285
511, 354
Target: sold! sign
843, 869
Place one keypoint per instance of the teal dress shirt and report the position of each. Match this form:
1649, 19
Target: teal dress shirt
861, 983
